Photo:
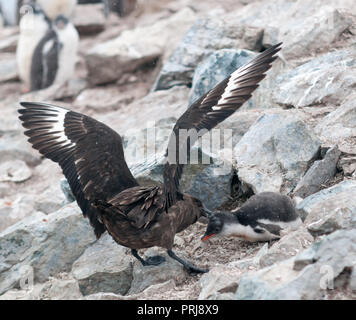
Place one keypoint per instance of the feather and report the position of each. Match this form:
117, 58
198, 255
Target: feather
209, 110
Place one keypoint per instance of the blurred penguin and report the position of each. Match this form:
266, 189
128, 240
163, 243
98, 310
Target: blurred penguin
68, 38
54, 8
1, 20
121, 7
55, 56
34, 25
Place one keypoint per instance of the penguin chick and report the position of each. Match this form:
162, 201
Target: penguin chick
54, 8
261, 218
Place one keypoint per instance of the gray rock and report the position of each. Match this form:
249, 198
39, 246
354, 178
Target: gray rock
330, 209
154, 292
203, 38
275, 152
9, 122
253, 262
15, 207
318, 174
72, 88
341, 219
8, 68
89, 19
68, 194
210, 183
144, 277
25, 294
339, 126
136, 47
330, 261
288, 246
270, 36
15, 171
215, 68
106, 99
327, 78
61, 289
65, 288
104, 267
336, 251
60, 91
13, 145
234, 127
316, 31
50, 200
219, 280
47, 245
9, 38
347, 164
305, 27
353, 280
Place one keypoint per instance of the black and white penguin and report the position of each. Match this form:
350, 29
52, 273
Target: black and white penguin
55, 56
54, 8
34, 25
1, 20
261, 218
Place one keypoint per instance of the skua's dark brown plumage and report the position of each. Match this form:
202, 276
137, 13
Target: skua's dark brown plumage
92, 159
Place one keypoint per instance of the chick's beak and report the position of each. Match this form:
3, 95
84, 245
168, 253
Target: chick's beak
207, 236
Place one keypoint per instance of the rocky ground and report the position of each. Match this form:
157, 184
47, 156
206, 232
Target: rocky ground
296, 135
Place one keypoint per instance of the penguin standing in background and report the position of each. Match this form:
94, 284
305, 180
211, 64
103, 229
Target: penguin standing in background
68, 39
55, 56
1, 20
54, 8
261, 218
34, 25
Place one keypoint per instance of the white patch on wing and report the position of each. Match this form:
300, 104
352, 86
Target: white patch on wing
231, 85
77, 161
58, 127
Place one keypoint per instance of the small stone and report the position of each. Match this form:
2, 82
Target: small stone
318, 174
134, 48
275, 152
15, 171
104, 267
89, 19
8, 68
146, 276
330, 209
